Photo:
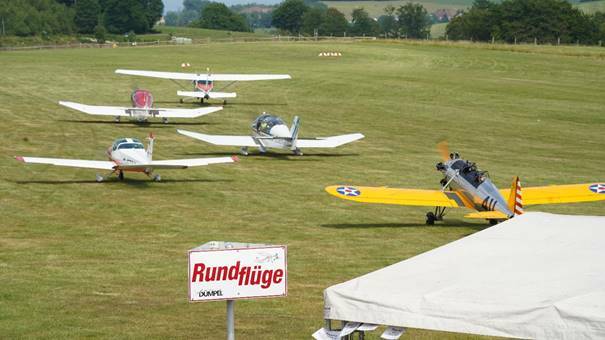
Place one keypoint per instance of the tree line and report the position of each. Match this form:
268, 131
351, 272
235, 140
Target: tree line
48, 17
512, 21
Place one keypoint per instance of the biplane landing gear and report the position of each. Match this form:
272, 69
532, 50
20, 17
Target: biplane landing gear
244, 150
121, 175
431, 217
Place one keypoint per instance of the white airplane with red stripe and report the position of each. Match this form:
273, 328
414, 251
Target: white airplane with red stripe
203, 83
142, 109
129, 154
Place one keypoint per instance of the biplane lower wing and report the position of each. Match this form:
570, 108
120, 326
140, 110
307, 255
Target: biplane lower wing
385, 195
553, 194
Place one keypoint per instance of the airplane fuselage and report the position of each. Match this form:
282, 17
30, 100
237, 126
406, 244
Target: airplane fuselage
476, 188
271, 132
128, 151
142, 102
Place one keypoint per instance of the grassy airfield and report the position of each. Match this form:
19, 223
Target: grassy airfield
83, 259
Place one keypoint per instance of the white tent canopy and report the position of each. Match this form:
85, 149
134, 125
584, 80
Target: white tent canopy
537, 276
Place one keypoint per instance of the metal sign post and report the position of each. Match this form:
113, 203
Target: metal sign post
230, 320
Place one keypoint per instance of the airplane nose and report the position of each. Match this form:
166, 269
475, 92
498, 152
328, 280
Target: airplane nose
280, 131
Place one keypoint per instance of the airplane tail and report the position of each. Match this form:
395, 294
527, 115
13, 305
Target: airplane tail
294, 131
151, 139
515, 200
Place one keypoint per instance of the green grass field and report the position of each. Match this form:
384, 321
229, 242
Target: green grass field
82, 259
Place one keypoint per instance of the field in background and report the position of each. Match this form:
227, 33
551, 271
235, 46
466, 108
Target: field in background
376, 8
82, 259
592, 6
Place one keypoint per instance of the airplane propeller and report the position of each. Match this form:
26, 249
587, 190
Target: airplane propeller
444, 151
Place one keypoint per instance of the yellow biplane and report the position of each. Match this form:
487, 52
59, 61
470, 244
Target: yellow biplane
464, 185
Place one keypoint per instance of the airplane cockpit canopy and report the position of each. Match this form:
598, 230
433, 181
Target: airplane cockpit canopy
127, 143
265, 122
468, 170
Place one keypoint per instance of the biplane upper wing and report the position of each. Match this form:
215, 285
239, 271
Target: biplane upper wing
203, 76
569, 193
385, 195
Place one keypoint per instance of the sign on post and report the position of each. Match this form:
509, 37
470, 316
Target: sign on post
230, 271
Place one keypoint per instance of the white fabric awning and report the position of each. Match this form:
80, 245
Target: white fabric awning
537, 276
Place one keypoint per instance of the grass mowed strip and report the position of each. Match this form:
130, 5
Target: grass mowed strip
79, 259
376, 8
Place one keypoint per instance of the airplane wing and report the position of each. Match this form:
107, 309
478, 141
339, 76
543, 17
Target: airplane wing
220, 140
328, 142
385, 195
178, 163
97, 110
76, 163
153, 112
553, 194
203, 76
212, 94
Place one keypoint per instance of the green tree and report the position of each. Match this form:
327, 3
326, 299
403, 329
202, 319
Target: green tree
335, 23
414, 21
153, 11
362, 24
123, 16
100, 33
218, 16
288, 15
388, 23
87, 15
312, 20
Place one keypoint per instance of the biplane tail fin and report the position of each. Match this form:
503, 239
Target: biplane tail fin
515, 199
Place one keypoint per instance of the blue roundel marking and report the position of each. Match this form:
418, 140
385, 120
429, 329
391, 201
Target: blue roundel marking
348, 191
598, 188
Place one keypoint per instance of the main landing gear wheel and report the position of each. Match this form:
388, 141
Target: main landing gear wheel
493, 222
298, 152
244, 151
117, 119
165, 120
225, 102
100, 178
181, 101
121, 175
430, 218
157, 178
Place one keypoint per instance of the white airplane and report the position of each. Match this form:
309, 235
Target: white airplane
142, 101
203, 83
270, 131
129, 154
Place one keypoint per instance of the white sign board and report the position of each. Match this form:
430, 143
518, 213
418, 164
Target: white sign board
234, 272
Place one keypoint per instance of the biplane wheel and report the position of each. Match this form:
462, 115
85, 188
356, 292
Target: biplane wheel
430, 218
121, 175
